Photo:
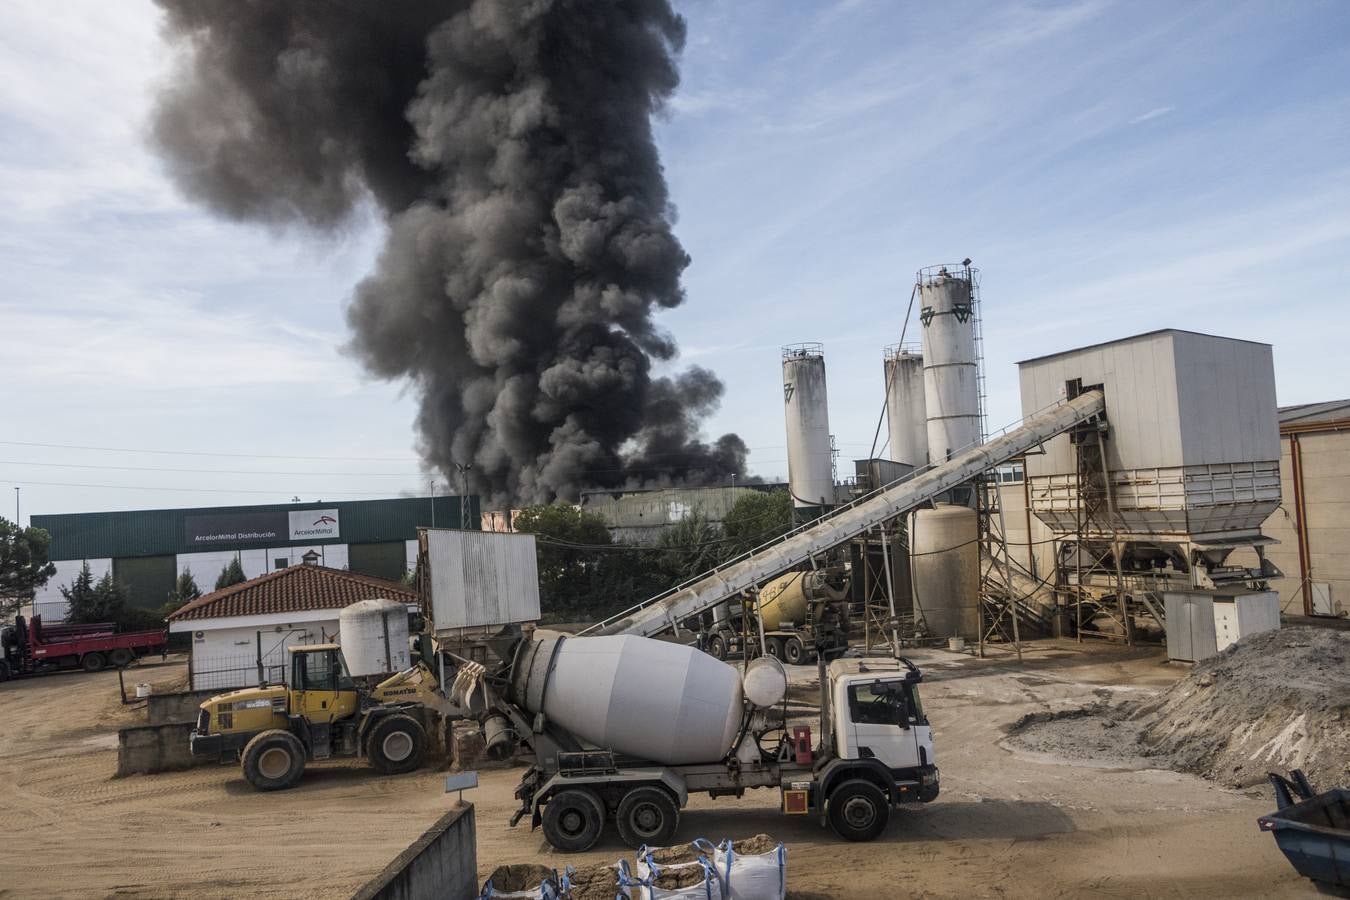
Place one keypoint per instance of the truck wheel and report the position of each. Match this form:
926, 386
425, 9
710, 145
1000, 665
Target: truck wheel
573, 820
647, 815
794, 651
717, 647
120, 657
858, 810
4, 670
396, 745
774, 647
93, 662
273, 760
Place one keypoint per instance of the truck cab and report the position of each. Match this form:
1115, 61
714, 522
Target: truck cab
878, 715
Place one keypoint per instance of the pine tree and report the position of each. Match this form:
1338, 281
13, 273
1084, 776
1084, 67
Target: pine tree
185, 590
92, 601
232, 573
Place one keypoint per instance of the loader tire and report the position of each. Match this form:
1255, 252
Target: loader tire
858, 810
273, 760
93, 662
397, 744
573, 820
647, 815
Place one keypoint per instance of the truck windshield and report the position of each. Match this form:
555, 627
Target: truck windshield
882, 703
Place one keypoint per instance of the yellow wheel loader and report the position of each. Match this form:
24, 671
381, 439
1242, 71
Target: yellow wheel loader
274, 730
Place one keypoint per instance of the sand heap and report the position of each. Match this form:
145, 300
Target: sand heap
1271, 702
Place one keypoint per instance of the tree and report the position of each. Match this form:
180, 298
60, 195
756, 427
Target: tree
24, 565
755, 518
690, 547
231, 573
185, 590
569, 551
92, 601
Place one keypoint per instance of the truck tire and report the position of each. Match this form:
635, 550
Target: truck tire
273, 760
858, 810
774, 647
4, 670
647, 815
120, 657
93, 662
573, 820
717, 647
397, 744
794, 651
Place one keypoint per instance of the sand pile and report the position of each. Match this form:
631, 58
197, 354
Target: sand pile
1272, 702
518, 877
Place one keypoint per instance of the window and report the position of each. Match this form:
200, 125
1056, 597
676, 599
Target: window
280, 562
325, 671
884, 703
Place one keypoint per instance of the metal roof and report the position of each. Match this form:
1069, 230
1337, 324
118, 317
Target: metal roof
1135, 337
1313, 413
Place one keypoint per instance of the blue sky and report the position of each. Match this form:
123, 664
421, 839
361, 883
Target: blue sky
1111, 167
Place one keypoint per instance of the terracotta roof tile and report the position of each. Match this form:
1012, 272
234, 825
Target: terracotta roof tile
292, 589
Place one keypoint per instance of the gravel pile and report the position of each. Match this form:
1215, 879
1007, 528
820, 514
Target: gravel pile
1271, 702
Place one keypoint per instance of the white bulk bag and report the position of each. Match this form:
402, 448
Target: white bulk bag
758, 876
646, 885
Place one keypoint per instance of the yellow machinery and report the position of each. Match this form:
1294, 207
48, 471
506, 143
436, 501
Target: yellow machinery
273, 730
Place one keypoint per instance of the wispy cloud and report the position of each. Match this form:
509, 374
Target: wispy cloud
1155, 113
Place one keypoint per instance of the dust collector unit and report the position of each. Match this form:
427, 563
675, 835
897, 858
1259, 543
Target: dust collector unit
906, 413
950, 366
810, 460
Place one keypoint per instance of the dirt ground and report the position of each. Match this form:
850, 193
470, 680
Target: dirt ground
1009, 823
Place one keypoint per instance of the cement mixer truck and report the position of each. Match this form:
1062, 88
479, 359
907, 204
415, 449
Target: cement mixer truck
804, 614
625, 728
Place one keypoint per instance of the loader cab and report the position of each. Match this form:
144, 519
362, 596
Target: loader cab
878, 715
321, 689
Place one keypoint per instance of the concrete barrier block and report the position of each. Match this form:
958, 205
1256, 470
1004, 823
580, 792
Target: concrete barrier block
442, 863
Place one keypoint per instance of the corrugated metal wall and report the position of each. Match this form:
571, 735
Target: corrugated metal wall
157, 532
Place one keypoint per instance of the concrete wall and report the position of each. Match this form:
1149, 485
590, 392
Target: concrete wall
172, 709
146, 749
442, 863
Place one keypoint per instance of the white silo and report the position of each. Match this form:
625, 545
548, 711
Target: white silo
947, 569
950, 367
374, 636
810, 460
905, 407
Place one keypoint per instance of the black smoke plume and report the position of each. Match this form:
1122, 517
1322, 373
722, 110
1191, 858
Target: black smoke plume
508, 144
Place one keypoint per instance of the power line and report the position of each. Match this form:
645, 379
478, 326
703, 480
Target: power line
203, 453
194, 490
24, 462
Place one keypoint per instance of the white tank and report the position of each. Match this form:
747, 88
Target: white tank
950, 370
905, 406
765, 682
654, 700
374, 636
946, 569
810, 462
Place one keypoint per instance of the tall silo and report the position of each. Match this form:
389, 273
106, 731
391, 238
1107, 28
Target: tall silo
905, 407
950, 366
945, 551
810, 460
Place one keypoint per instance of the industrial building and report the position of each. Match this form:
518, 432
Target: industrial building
146, 550
640, 516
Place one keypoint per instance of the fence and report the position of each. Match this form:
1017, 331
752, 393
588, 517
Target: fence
223, 673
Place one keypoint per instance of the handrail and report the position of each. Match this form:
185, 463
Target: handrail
844, 509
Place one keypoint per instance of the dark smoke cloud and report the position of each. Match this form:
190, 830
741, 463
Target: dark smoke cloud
508, 143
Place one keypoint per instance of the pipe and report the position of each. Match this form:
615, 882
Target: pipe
1301, 524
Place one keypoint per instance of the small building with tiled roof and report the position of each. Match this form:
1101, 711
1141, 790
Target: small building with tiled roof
243, 630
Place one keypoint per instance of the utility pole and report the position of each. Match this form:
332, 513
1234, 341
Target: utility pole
16, 508
464, 495
431, 492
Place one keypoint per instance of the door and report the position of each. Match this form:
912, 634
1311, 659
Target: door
322, 691
884, 723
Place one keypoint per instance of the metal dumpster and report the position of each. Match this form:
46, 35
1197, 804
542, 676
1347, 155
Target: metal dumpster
1312, 830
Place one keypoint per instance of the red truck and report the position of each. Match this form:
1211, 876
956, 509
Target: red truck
28, 647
